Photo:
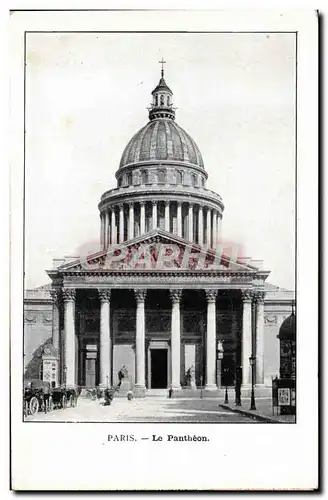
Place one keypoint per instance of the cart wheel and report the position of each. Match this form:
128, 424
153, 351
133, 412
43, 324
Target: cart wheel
73, 401
64, 402
34, 405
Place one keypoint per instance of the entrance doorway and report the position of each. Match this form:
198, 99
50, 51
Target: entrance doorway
158, 370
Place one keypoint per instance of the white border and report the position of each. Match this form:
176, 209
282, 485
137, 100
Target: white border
238, 456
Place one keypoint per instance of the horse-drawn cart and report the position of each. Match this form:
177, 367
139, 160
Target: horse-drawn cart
64, 397
37, 396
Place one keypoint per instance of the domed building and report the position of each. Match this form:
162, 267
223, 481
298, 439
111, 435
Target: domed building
159, 299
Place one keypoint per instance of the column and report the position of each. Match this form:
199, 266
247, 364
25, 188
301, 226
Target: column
179, 218
101, 230
214, 234
106, 229
121, 228
140, 338
69, 336
175, 339
208, 228
154, 219
142, 217
56, 296
217, 227
131, 221
211, 340
220, 228
167, 216
105, 346
190, 223
113, 228
259, 337
200, 225
246, 335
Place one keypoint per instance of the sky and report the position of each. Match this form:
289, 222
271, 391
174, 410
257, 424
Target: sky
86, 96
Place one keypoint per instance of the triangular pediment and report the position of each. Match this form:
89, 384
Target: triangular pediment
159, 250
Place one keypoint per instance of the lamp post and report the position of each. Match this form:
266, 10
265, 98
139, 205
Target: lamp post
65, 376
226, 396
238, 386
252, 361
220, 352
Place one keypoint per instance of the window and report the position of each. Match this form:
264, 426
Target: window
162, 100
168, 100
194, 180
129, 179
156, 100
203, 181
120, 182
144, 177
178, 176
161, 177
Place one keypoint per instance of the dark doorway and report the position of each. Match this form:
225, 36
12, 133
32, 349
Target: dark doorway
158, 368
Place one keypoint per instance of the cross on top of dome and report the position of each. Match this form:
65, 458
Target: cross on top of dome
162, 62
162, 106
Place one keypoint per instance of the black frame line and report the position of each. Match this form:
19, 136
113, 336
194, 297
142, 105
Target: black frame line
24, 186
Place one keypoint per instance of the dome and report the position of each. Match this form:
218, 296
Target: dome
162, 140
288, 328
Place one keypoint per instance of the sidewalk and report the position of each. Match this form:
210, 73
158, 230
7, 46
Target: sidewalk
262, 413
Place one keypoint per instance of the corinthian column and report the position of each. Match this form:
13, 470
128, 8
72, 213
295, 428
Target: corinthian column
121, 229
175, 339
142, 218
211, 340
140, 339
55, 294
113, 227
154, 218
214, 232
167, 216
131, 221
105, 347
102, 223
259, 297
190, 223
208, 228
200, 225
179, 219
247, 334
69, 335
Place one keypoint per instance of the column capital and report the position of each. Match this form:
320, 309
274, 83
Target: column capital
55, 294
167, 202
211, 295
140, 295
175, 295
154, 202
69, 294
247, 295
104, 294
120, 205
179, 203
259, 296
142, 203
130, 203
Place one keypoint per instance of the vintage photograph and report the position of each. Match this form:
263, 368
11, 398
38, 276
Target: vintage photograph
160, 227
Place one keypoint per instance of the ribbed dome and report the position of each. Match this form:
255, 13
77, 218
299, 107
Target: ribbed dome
288, 328
161, 139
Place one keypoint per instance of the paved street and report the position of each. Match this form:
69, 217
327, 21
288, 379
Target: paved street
157, 409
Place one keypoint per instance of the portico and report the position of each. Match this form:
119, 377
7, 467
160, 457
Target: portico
142, 319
